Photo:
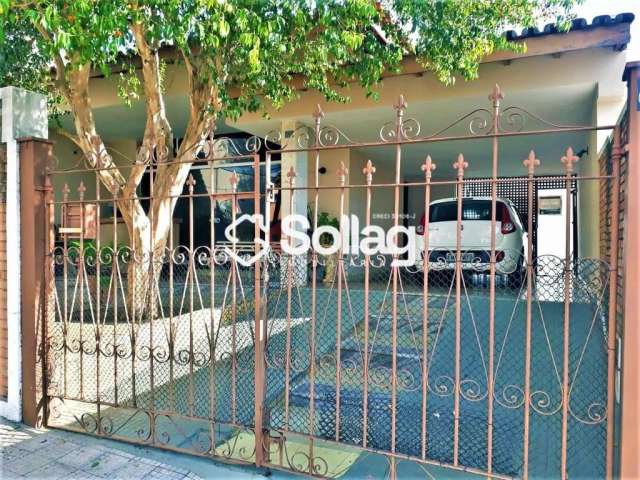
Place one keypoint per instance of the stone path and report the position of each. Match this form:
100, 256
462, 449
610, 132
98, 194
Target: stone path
51, 454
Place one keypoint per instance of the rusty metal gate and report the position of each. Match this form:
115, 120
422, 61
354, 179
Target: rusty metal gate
285, 355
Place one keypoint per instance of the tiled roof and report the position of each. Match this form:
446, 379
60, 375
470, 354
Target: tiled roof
577, 24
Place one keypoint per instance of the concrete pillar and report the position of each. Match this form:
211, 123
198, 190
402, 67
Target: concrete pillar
24, 114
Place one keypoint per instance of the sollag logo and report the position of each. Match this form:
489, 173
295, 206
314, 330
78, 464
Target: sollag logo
348, 239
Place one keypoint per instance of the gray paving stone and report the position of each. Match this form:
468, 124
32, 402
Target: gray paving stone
80, 475
7, 475
56, 448
35, 443
106, 464
52, 454
53, 470
8, 439
133, 469
82, 458
8, 454
161, 473
27, 464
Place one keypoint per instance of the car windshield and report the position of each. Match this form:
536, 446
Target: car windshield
471, 210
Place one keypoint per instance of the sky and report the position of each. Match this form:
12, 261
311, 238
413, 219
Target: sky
593, 8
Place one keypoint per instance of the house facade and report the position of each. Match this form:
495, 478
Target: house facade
568, 78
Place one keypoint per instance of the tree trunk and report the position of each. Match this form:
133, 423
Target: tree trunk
144, 270
148, 232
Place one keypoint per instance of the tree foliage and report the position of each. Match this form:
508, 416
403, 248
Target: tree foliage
250, 50
238, 55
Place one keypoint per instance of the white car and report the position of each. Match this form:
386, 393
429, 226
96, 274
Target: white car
475, 244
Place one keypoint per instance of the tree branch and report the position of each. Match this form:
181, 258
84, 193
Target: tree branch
62, 132
158, 137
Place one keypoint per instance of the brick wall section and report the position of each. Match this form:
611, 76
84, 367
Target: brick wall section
606, 213
3, 273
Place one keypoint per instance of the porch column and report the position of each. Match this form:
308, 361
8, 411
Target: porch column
630, 422
299, 162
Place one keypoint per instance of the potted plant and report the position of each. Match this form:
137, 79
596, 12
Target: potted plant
326, 272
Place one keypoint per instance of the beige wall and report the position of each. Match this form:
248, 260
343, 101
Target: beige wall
382, 198
329, 199
589, 199
354, 200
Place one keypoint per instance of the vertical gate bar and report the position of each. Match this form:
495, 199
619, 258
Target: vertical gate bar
569, 159
427, 168
191, 183
234, 299
114, 285
342, 176
393, 468
460, 165
172, 326
131, 272
97, 325
495, 98
269, 193
151, 294
49, 293
400, 107
65, 291
317, 116
287, 368
369, 170
616, 154
81, 190
213, 335
531, 163
259, 391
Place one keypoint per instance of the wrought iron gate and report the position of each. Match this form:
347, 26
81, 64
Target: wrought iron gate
326, 363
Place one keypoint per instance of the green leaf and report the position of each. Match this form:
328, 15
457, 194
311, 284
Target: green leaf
223, 28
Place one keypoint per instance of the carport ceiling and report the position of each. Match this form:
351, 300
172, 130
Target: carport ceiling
561, 105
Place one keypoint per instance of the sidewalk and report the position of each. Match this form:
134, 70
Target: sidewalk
52, 454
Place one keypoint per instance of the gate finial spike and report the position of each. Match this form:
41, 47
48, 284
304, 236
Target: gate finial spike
428, 166
318, 113
233, 180
460, 165
368, 171
401, 104
531, 162
568, 160
191, 183
496, 94
81, 190
291, 175
342, 173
